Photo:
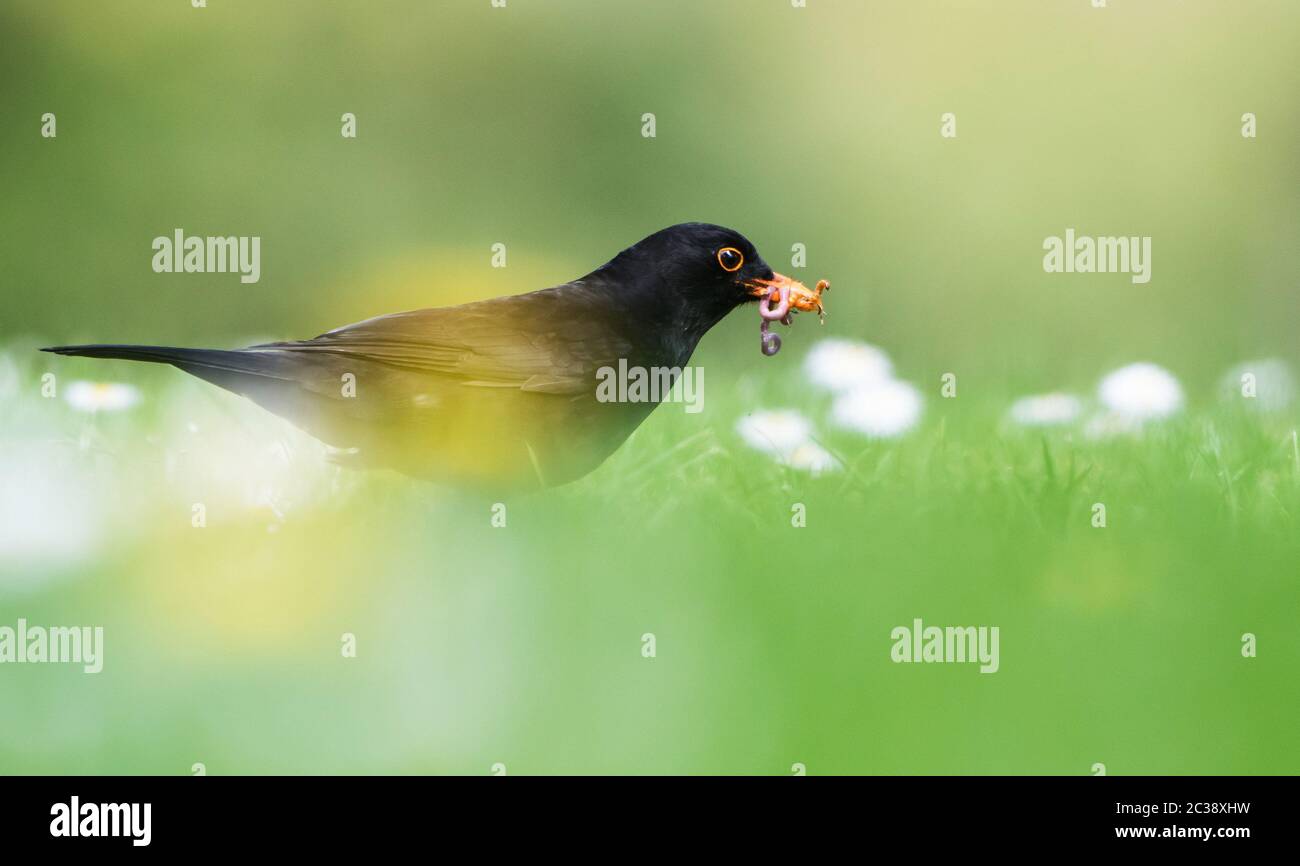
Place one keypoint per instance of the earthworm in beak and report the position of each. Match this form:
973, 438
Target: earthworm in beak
779, 298
781, 310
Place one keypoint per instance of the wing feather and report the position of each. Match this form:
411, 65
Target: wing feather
544, 342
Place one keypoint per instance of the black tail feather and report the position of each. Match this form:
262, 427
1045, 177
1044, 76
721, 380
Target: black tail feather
303, 387
240, 361
107, 350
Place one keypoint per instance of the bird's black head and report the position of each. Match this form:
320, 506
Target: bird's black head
705, 266
688, 276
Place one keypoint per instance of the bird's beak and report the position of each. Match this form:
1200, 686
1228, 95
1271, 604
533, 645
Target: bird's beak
801, 297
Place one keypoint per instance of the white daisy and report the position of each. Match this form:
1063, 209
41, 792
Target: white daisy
1270, 379
779, 430
786, 435
839, 365
101, 396
1046, 410
1141, 392
811, 457
880, 409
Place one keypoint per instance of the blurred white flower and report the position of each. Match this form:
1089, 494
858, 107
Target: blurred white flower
1045, 410
101, 396
50, 514
779, 430
1141, 392
786, 435
839, 365
811, 457
1271, 380
879, 409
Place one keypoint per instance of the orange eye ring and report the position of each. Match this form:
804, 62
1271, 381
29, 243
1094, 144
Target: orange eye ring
730, 259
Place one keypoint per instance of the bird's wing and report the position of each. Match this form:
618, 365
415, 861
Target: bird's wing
546, 342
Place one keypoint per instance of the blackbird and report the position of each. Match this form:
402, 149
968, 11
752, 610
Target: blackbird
497, 394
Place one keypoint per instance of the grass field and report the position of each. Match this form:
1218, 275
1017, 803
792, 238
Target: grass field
522, 644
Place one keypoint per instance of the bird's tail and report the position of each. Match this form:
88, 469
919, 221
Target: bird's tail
234, 361
266, 377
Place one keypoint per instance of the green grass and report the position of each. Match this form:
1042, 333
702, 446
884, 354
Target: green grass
522, 644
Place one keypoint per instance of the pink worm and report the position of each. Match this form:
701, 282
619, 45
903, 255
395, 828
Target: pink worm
782, 308
770, 343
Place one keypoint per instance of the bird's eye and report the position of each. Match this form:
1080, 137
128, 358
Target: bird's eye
730, 258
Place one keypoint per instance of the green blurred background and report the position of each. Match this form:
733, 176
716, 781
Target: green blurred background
522, 645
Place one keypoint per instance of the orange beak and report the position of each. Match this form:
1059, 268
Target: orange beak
801, 297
